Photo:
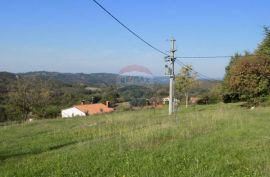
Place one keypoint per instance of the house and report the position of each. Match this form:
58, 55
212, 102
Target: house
86, 110
194, 100
167, 100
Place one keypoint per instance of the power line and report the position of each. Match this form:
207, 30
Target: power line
213, 57
200, 74
160, 51
206, 57
152, 46
128, 29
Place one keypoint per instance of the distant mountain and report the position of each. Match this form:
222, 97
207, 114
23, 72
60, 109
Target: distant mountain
161, 80
94, 79
98, 79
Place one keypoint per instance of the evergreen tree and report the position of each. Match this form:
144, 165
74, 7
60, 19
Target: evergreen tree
264, 47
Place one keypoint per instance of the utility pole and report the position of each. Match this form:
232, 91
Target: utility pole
172, 76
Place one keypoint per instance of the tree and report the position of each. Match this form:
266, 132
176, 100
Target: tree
264, 47
228, 95
247, 77
3, 114
110, 94
185, 81
250, 78
30, 96
138, 102
20, 98
40, 96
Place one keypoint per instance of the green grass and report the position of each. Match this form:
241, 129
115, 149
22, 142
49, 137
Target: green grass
217, 140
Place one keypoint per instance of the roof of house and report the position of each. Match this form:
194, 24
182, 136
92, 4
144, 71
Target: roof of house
92, 109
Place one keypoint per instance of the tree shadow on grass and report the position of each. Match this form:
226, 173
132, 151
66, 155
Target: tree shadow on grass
37, 151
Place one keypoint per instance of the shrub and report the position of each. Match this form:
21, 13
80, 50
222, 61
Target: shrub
52, 112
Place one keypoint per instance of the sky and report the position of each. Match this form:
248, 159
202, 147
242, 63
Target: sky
76, 36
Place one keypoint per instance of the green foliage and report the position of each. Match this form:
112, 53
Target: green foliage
233, 60
184, 82
138, 102
96, 79
204, 100
51, 112
264, 47
248, 77
21, 98
265, 101
96, 98
129, 93
216, 93
3, 115
230, 97
122, 107
40, 94
110, 94
212, 96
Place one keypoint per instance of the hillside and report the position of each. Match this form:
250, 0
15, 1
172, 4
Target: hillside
100, 79
218, 140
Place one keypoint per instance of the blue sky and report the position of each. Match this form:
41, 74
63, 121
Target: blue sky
77, 36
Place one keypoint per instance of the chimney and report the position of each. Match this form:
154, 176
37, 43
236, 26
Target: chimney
108, 104
83, 102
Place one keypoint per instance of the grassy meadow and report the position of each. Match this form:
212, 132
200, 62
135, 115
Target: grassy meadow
222, 140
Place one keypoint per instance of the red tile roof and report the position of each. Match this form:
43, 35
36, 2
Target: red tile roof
93, 109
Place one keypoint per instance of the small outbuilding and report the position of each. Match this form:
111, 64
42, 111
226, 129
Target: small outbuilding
166, 100
194, 99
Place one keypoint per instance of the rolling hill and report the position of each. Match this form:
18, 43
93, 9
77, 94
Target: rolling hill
218, 140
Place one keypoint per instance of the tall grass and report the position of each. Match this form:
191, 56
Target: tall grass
217, 140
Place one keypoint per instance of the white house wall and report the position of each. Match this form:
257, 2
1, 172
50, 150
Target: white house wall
72, 112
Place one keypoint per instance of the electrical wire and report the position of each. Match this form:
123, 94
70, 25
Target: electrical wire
128, 29
196, 72
205, 57
158, 50
211, 57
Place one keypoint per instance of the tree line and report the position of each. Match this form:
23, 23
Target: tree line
22, 98
247, 78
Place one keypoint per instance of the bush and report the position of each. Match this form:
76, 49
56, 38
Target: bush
230, 97
52, 112
124, 107
46, 112
3, 114
138, 102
